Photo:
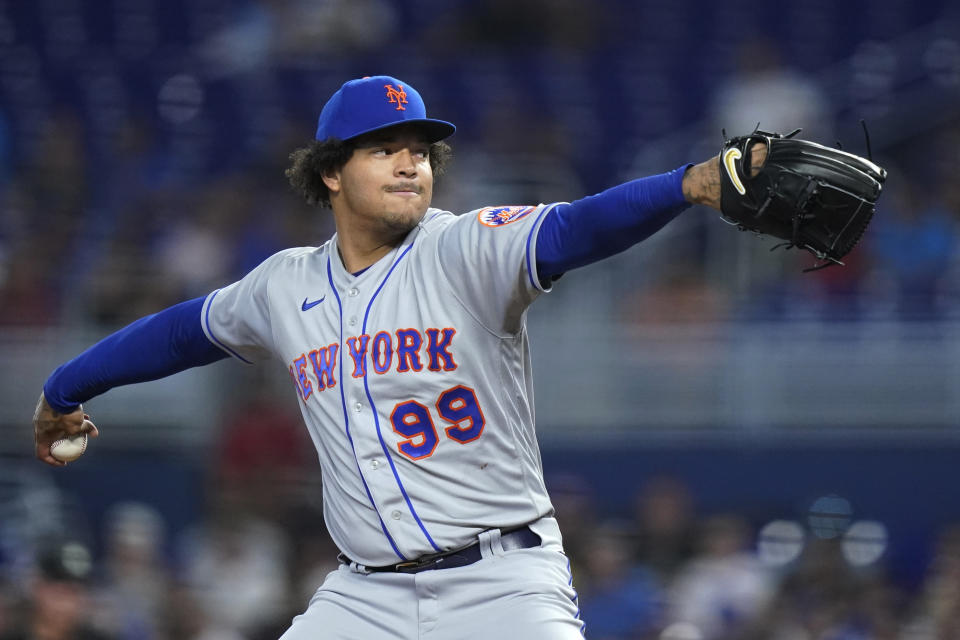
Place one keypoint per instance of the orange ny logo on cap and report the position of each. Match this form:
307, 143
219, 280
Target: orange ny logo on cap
396, 96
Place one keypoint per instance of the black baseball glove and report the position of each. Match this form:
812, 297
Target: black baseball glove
811, 196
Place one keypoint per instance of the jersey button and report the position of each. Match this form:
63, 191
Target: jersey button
357, 407
353, 293
395, 515
353, 320
374, 464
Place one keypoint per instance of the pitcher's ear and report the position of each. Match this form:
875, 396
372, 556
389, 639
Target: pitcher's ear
331, 178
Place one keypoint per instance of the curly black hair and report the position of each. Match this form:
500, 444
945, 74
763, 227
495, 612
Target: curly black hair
310, 163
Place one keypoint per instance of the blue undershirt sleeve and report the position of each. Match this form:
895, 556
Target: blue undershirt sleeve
597, 227
153, 347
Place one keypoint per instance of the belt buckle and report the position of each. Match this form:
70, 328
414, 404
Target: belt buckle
416, 565
422, 562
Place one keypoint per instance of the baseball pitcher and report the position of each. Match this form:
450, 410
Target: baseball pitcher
405, 337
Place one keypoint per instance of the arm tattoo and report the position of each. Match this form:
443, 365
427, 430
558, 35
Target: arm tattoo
701, 184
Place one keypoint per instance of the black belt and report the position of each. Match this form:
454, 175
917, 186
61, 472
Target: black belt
522, 538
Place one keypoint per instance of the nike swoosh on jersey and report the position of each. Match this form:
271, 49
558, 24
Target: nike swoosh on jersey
306, 306
729, 157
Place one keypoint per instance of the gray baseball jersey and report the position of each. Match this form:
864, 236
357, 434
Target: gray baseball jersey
413, 378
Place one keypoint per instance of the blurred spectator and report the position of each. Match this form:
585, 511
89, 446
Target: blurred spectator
134, 165
665, 526
761, 90
552, 24
822, 597
524, 157
764, 90
619, 600
6, 607
28, 292
237, 562
131, 600
913, 243
334, 27
57, 603
242, 44
56, 173
937, 614
124, 283
194, 249
725, 586
260, 33
187, 619
576, 510
50, 196
316, 555
265, 453
234, 564
679, 296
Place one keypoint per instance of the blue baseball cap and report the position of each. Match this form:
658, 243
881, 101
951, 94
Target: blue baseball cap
373, 103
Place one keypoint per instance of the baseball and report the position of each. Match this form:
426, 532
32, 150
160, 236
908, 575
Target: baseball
70, 448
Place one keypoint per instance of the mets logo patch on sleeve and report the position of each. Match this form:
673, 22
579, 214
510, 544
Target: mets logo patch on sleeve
499, 216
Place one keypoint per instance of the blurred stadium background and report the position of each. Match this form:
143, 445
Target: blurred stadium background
737, 450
